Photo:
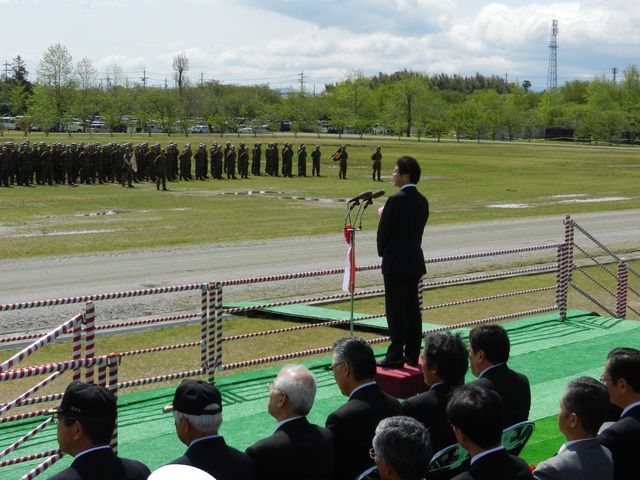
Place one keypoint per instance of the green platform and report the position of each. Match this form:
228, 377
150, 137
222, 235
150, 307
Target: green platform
550, 353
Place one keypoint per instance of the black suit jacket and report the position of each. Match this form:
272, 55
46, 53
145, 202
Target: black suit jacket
218, 459
498, 465
297, 450
399, 238
430, 409
353, 426
623, 439
514, 390
103, 464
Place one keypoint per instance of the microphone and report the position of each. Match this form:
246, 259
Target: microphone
377, 194
362, 196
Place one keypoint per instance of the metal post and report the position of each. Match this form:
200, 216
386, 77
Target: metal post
621, 290
89, 340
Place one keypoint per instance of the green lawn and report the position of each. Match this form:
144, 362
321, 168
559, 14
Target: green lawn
464, 182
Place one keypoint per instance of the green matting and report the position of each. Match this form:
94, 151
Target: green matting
549, 352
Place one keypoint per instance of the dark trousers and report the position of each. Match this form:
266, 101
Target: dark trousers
403, 316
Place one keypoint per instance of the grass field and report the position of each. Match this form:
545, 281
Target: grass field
464, 182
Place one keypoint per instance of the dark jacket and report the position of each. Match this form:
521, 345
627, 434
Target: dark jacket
103, 464
399, 238
218, 459
623, 439
353, 426
297, 450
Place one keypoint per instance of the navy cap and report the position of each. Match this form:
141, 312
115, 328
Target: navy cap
85, 400
193, 396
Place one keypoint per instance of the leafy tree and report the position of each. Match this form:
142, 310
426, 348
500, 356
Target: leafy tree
55, 76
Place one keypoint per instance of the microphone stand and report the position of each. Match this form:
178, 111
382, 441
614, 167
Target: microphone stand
362, 201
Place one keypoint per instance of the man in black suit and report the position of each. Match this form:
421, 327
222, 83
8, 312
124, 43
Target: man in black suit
401, 449
489, 350
197, 411
354, 424
297, 449
622, 379
86, 419
475, 414
399, 242
445, 361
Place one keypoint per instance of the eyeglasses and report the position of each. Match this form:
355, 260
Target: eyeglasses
333, 366
604, 379
372, 453
57, 418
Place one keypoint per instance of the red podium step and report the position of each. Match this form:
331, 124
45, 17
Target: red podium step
402, 382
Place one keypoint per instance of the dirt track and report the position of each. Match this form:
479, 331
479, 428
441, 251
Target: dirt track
50, 278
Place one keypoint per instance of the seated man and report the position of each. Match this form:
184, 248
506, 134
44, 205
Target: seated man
401, 449
488, 354
622, 379
86, 419
197, 411
354, 424
476, 413
445, 361
297, 449
583, 408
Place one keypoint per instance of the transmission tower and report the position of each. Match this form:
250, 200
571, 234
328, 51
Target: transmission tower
552, 77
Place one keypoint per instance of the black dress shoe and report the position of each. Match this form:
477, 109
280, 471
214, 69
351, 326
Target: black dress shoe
410, 361
387, 363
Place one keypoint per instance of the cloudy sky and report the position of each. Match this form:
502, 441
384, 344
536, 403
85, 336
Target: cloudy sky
279, 42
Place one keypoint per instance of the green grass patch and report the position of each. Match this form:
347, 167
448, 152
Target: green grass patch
464, 182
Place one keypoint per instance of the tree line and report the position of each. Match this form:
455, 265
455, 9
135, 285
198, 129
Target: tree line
405, 103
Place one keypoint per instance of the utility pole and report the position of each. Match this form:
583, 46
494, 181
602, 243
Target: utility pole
6, 69
301, 75
614, 70
201, 78
144, 78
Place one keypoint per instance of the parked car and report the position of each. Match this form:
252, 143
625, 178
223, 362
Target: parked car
75, 127
246, 130
200, 128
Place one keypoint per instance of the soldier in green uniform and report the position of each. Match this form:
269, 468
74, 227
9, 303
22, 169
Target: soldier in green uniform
315, 161
302, 161
230, 162
377, 164
161, 166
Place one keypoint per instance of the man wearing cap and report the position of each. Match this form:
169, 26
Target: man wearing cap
297, 449
197, 411
86, 419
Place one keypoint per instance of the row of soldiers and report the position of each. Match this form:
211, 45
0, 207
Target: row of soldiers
43, 164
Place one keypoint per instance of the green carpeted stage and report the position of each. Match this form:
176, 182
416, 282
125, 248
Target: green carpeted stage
550, 353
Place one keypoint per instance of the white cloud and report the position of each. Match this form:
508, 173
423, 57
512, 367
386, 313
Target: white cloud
259, 41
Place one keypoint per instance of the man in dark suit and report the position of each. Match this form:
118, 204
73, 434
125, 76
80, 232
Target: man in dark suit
583, 408
401, 449
354, 424
86, 419
476, 413
489, 350
622, 379
399, 242
297, 449
445, 361
197, 411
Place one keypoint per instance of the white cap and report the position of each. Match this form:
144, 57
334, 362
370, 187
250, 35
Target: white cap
179, 472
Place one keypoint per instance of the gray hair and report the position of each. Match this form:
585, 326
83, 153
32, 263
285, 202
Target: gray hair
299, 384
405, 444
202, 423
